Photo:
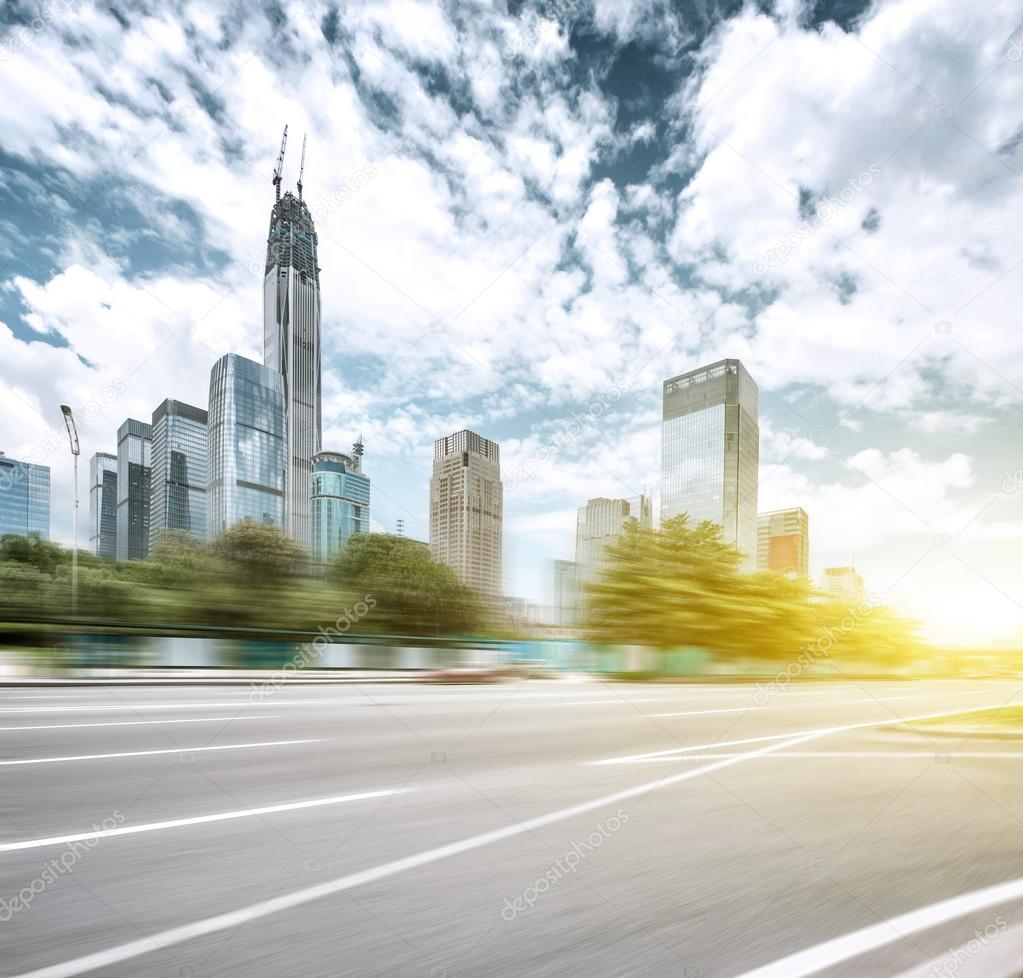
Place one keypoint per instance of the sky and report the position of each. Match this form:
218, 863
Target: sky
529, 216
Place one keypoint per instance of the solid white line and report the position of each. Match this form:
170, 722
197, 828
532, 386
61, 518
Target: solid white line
266, 908
147, 753
857, 753
696, 713
133, 707
841, 949
197, 820
138, 723
674, 752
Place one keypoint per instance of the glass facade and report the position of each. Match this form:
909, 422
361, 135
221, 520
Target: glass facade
339, 503
466, 509
103, 505
134, 460
710, 451
246, 447
24, 497
179, 471
291, 347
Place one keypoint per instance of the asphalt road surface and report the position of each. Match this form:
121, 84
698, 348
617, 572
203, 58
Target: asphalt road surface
521, 829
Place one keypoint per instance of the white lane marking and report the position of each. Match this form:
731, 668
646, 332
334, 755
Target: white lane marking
674, 752
696, 713
932, 755
138, 723
987, 955
135, 707
266, 908
148, 753
176, 823
859, 942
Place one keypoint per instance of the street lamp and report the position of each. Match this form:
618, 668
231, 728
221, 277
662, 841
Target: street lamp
72, 434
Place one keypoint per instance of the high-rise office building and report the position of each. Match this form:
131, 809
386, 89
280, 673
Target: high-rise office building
291, 343
24, 497
783, 542
710, 452
178, 477
565, 593
246, 455
103, 505
466, 509
599, 523
843, 583
134, 461
339, 500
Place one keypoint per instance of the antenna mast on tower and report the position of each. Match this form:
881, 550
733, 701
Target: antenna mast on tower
301, 169
280, 165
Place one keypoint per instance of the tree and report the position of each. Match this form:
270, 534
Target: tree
259, 554
414, 594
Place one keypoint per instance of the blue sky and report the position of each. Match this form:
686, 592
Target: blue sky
530, 212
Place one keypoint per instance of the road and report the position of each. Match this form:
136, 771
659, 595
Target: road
533, 828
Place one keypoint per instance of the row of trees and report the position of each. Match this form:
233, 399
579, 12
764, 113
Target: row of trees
253, 576
681, 586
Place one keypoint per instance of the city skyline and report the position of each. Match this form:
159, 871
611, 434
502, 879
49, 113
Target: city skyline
515, 262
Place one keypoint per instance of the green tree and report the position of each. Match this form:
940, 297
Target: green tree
414, 594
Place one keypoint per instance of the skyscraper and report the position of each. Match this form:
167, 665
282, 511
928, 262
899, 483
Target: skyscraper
783, 542
291, 341
339, 497
178, 478
565, 593
710, 452
246, 457
598, 523
466, 509
24, 497
103, 505
134, 458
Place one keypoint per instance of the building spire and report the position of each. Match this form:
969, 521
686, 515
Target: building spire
358, 449
301, 169
280, 166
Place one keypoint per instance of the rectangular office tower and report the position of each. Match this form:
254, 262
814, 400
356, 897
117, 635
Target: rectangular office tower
134, 460
466, 509
24, 497
339, 501
291, 347
597, 524
103, 505
783, 542
246, 457
178, 499
710, 452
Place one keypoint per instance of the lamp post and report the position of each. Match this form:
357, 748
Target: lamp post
72, 434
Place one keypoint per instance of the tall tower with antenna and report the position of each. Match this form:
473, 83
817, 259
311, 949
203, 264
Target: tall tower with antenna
291, 339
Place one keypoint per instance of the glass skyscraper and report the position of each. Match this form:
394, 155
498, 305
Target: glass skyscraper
103, 505
710, 452
466, 509
246, 457
24, 497
178, 499
291, 347
134, 458
339, 500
